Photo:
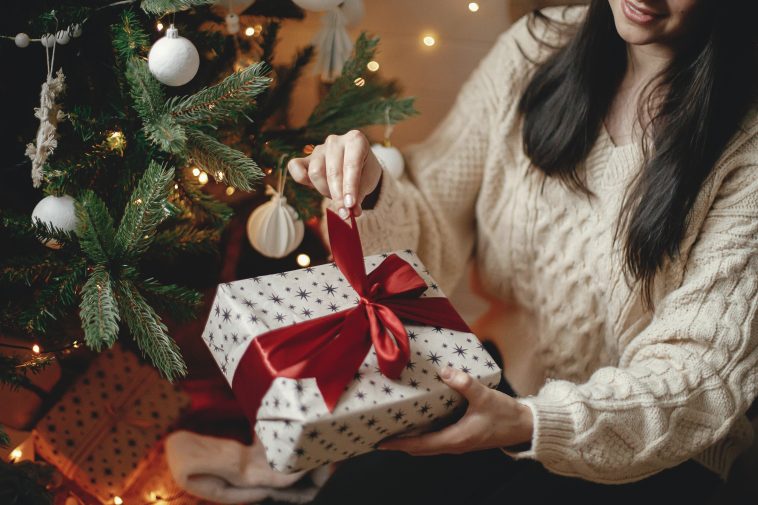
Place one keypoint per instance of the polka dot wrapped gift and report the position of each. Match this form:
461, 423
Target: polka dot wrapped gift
103, 429
329, 360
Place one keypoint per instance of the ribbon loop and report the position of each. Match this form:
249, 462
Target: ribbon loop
391, 292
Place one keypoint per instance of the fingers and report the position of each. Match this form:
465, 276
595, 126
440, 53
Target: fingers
471, 389
317, 171
450, 440
356, 150
298, 169
335, 153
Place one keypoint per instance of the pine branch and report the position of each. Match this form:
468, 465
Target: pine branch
25, 482
224, 101
146, 209
98, 310
269, 40
15, 371
129, 38
180, 302
28, 269
95, 228
54, 299
223, 162
184, 240
204, 207
163, 7
149, 102
149, 331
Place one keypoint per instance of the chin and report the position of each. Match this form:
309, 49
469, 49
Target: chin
636, 35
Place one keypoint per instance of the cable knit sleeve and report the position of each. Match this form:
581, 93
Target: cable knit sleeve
431, 208
684, 379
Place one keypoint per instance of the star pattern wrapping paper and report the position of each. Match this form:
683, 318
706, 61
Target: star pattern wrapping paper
293, 422
104, 427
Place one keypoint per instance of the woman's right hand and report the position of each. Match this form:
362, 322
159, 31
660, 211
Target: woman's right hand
343, 168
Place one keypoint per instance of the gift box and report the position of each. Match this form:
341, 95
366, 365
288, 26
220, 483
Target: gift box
329, 360
100, 433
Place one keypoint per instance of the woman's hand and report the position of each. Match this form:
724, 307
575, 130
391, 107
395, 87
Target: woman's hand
343, 168
493, 420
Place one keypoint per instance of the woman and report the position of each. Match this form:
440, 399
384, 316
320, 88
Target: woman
602, 166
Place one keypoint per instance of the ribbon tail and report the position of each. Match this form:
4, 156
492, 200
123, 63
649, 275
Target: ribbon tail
390, 340
432, 311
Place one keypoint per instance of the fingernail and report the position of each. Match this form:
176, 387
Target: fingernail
446, 373
349, 200
342, 212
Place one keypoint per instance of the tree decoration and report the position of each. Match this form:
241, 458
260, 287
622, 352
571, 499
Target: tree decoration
173, 60
274, 229
354, 12
56, 212
333, 45
318, 5
49, 114
388, 155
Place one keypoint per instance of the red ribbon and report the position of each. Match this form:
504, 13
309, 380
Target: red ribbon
331, 348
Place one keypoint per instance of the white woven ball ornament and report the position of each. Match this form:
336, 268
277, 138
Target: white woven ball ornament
173, 60
62, 37
58, 212
47, 40
390, 158
21, 40
317, 5
76, 30
274, 229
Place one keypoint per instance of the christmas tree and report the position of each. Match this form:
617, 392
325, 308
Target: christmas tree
120, 159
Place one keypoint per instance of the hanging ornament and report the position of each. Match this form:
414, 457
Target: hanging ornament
47, 40
173, 60
235, 6
49, 114
75, 30
333, 45
389, 156
318, 5
21, 40
232, 23
354, 12
274, 229
58, 212
62, 37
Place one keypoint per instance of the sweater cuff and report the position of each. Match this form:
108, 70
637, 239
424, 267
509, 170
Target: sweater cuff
553, 430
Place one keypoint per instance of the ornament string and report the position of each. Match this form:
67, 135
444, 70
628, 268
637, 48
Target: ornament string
388, 126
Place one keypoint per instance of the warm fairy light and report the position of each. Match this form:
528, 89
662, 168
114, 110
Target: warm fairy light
16, 454
75, 345
359, 81
202, 178
176, 186
429, 40
35, 349
117, 500
219, 176
196, 172
116, 141
249, 31
258, 28
473, 6
229, 191
372, 65
158, 27
303, 260
138, 201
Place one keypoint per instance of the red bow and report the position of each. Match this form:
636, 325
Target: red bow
331, 348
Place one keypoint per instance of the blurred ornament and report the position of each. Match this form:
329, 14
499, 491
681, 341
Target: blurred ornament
317, 5
173, 60
57, 212
21, 40
354, 12
49, 114
235, 6
47, 40
390, 158
62, 37
333, 45
232, 23
75, 30
274, 229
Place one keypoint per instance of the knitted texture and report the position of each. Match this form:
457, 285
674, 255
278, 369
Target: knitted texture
625, 392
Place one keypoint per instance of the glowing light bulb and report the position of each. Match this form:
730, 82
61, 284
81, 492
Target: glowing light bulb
16, 454
196, 172
116, 141
176, 186
429, 40
249, 31
117, 500
372, 65
473, 6
359, 81
76, 344
229, 190
220, 176
202, 178
35, 349
303, 260
159, 26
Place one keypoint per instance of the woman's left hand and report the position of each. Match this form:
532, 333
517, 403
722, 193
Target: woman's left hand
493, 419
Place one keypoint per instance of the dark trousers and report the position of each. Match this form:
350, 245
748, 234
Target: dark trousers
491, 477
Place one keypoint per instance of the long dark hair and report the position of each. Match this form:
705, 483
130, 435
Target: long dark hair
700, 100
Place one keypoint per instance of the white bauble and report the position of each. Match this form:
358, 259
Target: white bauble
390, 158
232, 23
274, 229
21, 39
62, 37
317, 5
58, 212
173, 60
354, 12
236, 6
47, 40
76, 30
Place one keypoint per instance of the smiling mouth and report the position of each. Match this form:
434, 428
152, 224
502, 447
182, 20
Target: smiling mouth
638, 14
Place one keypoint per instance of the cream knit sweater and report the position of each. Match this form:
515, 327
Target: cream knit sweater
624, 393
